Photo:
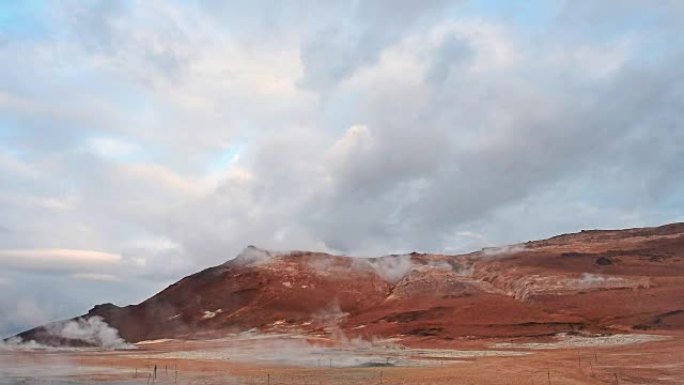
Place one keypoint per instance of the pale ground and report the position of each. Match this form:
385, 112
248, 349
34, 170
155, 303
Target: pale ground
295, 360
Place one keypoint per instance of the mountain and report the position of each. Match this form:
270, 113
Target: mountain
592, 281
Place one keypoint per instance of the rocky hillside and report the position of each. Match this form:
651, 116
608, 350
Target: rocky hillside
594, 281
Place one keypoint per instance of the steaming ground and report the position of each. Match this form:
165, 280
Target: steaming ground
301, 351
85, 331
290, 359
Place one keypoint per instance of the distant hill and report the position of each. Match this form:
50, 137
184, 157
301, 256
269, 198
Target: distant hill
592, 281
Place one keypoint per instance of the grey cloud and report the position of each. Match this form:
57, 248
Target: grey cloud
158, 46
96, 24
549, 137
357, 34
614, 13
448, 60
30, 299
372, 128
16, 312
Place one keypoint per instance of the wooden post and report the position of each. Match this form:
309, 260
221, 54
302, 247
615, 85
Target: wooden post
268, 379
548, 375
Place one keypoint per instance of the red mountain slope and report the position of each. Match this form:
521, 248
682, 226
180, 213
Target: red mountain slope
599, 280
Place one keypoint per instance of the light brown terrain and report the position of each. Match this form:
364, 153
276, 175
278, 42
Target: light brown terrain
593, 307
285, 361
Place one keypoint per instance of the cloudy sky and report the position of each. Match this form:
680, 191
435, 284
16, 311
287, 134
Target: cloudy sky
143, 140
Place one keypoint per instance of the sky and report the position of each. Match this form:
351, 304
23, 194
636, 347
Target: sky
144, 140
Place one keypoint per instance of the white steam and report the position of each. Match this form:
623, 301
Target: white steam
439, 265
331, 315
252, 256
392, 268
591, 281
93, 331
17, 344
502, 251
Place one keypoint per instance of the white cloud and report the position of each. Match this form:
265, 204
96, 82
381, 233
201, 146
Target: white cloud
112, 148
356, 140
57, 259
97, 277
40, 202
